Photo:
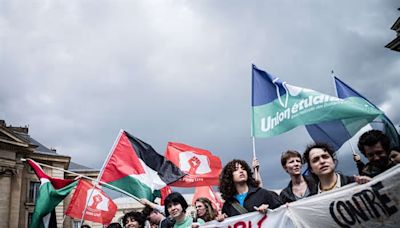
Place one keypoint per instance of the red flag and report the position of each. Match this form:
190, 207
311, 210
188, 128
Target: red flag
207, 192
201, 166
164, 193
100, 208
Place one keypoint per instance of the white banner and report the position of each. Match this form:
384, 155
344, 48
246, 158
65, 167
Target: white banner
375, 204
275, 218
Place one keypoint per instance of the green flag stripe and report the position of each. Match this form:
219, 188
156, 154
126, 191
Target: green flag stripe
134, 187
48, 198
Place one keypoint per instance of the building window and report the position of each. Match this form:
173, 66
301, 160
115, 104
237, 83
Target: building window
76, 224
33, 191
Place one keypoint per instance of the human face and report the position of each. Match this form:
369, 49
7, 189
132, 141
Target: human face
200, 208
175, 210
240, 174
394, 156
293, 166
376, 154
154, 218
321, 162
131, 223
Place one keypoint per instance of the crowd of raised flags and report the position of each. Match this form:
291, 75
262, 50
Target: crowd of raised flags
134, 168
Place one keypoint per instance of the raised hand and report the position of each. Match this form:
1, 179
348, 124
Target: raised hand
262, 208
362, 179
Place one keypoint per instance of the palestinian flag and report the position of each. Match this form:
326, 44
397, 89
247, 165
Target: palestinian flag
135, 167
51, 192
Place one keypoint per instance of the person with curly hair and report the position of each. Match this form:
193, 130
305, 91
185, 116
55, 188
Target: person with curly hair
204, 209
321, 160
133, 219
242, 193
300, 186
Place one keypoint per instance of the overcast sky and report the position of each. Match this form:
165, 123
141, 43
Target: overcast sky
77, 72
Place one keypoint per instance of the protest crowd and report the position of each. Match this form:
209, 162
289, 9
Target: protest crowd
134, 168
242, 194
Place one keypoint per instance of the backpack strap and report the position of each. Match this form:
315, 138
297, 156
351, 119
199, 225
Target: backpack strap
239, 208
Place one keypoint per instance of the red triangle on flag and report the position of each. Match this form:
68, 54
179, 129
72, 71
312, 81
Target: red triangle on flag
57, 183
123, 161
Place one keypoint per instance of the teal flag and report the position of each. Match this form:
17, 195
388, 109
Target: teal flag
279, 107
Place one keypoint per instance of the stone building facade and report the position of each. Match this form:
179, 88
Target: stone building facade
18, 182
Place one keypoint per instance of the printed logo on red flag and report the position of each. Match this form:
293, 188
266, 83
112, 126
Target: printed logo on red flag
201, 166
100, 208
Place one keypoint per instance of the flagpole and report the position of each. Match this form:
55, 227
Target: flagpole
252, 117
109, 154
336, 93
89, 178
254, 147
334, 84
352, 148
257, 174
86, 204
101, 173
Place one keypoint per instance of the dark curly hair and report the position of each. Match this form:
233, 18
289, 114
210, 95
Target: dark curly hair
137, 216
371, 138
226, 185
324, 146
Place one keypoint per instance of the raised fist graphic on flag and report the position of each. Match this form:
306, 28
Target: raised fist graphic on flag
202, 167
100, 208
97, 200
193, 163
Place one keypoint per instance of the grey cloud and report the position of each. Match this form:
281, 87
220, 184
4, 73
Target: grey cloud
77, 72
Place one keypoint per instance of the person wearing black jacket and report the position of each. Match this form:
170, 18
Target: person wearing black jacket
242, 193
299, 186
375, 146
321, 161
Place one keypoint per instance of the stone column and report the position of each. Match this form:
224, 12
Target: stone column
15, 196
5, 196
